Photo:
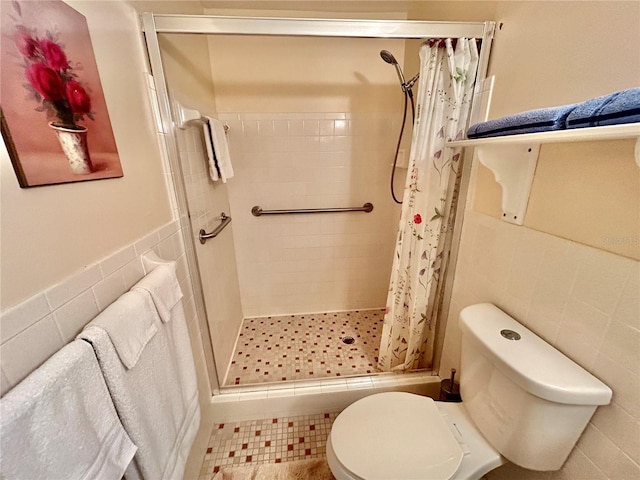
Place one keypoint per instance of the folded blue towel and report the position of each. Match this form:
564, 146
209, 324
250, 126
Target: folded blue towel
531, 121
612, 109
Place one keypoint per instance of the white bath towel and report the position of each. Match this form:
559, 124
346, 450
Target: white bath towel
60, 422
131, 321
221, 149
162, 284
211, 158
151, 260
157, 400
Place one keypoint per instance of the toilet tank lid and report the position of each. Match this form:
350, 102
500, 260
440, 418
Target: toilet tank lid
531, 362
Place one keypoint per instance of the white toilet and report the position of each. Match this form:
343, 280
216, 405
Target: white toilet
523, 401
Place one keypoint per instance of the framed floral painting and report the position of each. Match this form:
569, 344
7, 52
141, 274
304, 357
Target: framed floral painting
53, 114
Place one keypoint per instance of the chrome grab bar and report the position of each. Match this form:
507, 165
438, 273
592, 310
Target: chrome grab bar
224, 221
257, 211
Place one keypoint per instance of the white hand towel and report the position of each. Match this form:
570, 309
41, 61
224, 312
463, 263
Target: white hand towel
60, 422
156, 400
151, 260
208, 141
131, 321
221, 149
162, 284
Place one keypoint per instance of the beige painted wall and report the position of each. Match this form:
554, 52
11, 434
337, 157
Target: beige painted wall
463, 11
188, 53
276, 74
546, 54
49, 233
553, 53
281, 74
590, 193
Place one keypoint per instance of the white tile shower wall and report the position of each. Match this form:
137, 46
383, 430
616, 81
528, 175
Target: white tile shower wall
35, 329
309, 263
585, 302
216, 258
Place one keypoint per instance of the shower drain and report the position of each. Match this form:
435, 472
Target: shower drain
348, 340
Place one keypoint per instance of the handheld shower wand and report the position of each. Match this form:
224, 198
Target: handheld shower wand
408, 93
388, 57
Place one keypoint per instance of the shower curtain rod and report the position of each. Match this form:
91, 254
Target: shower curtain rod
316, 27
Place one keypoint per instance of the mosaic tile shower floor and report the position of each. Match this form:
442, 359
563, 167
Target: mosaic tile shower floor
273, 440
296, 347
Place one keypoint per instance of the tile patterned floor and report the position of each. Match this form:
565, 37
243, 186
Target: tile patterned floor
296, 347
273, 440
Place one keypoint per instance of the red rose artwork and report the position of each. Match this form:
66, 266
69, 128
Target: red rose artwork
54, 117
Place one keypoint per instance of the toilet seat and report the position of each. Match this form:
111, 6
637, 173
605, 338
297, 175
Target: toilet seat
395, 435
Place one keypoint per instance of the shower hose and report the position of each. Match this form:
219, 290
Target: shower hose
408, 94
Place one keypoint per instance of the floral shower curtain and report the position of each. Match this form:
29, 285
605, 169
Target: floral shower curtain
447, 74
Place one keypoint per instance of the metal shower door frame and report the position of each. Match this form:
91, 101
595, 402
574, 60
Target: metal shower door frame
155, 24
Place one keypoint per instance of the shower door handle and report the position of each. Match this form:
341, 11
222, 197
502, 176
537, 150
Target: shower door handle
224, 221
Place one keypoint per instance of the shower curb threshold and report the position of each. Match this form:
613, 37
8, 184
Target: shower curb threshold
308, 397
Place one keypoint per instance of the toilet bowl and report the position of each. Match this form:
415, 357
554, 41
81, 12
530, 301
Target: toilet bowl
523, 402
397, 435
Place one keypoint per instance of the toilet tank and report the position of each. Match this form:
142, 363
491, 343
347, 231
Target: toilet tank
528, 399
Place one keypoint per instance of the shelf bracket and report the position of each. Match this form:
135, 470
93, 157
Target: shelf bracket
513, 167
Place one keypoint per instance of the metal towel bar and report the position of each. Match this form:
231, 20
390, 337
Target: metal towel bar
257, 211
224, 221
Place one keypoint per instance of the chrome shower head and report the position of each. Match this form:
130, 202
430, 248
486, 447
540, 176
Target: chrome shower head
390, 59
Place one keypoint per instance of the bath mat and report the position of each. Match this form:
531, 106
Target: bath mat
313, 469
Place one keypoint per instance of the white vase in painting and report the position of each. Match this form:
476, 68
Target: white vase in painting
73, 141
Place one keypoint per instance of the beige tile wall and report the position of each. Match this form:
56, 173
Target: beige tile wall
585, 302
308, 263
35, 329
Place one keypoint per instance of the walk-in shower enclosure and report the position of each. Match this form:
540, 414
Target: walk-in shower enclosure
154, 25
